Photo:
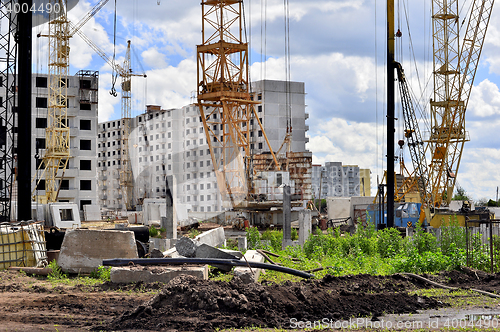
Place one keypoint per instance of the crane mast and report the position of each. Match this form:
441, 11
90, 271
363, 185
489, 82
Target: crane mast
454, 74
57, 137
126, 179
224, 100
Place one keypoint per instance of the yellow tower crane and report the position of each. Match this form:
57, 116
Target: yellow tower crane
57, 136
224, 98
454, 74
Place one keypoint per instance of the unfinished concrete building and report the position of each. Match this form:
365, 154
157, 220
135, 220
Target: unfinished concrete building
339, 180
79, 184
172, 142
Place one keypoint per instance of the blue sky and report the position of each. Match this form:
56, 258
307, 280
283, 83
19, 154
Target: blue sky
337, 49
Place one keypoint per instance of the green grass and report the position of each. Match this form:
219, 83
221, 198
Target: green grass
369, 251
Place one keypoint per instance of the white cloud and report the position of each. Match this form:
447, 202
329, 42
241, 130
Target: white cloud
153, 58
485, 99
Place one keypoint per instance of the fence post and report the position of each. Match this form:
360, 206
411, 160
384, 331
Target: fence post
467, 240
491, 244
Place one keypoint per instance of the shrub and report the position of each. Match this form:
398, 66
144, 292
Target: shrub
389, 242
253, 238
102, 272
452, 236
275, 239
153, 231
57, 272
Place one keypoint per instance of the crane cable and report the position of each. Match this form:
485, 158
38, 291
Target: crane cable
114, 73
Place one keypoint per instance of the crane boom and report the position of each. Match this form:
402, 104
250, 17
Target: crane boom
415, 144
87, 17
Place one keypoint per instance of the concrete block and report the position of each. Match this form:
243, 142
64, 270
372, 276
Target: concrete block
156, 253
186, 246
235, 253
135, 218
83, 250
92, 212
161, 244
246, 274
305, 226
171, 253
206, 251
151, 274
214, 237
242, 243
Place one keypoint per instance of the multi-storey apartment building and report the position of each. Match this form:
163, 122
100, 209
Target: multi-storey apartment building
173, 142
339, 180
79, 184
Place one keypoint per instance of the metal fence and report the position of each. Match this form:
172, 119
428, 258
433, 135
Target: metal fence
483, 244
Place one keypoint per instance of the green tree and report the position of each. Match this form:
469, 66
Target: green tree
492, 203
461, 195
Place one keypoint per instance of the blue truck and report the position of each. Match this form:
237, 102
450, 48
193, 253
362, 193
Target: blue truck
406, 214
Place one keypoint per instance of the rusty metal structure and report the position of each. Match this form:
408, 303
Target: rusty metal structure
224, 99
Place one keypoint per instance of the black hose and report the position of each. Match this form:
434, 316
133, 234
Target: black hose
210, 261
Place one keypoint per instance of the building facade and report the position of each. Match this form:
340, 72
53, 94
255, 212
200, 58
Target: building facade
79, 184
173, 142
339, 180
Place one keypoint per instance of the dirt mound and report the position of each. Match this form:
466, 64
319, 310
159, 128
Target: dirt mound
189, 304
469, 278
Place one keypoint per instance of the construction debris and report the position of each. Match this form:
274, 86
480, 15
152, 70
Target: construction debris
248, 274
83, 250
149, 274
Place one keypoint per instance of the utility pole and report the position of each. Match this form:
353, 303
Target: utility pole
390, 113
24, 121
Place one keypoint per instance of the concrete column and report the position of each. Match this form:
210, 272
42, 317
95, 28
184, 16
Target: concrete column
304, 226
242, 243
287, 217
170, 219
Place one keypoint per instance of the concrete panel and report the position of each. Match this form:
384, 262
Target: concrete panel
214, 237
305, 226
65, 215
83, 250
338, 207
152, 274
249, 275
92, 212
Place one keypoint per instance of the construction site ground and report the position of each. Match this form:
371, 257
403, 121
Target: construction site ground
186, 304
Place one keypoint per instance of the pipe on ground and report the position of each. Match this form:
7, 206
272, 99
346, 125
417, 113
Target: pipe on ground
209, 261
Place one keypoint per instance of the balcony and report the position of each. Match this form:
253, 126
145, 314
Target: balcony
67, 193
307, 115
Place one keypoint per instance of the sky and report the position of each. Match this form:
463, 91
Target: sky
337, 47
